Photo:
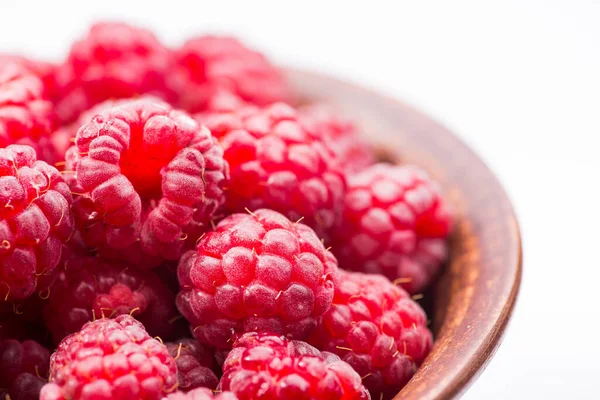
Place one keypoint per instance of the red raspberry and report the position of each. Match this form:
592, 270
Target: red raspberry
395, 223
194, 362
341, 136
278, 162
272, 367
201, 394
207, 64
114, 60
44, 70
258, 272
35, 222
110, 359
377, 328
91, 288
24, 368
149, 178
26, 115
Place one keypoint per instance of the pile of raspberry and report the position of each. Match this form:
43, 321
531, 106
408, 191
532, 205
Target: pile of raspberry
176, 225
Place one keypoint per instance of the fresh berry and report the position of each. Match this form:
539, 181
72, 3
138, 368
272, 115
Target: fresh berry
110, 359
149, 179
194, 364
90, 288
255, 272
44, 70
377, 328
207, 64
341, 136
35, 222
395, 223
24, 368
114, 60
201, 394
278, 162
272, 367
26, 115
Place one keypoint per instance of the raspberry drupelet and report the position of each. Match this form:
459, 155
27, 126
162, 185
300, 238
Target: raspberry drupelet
395, 223
255, 272
273, 367
35, 222
279, 162
110, 359
194, 364
208, 64
26, 115
24, 368
377, 328
341, 135
114, 60
201, 394
89, 288
149, 181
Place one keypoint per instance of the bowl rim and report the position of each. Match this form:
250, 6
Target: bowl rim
320, 86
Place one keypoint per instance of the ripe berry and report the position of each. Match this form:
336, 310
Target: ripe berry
24, 368
35, 222
255, 272
149, 177
110, 359
377, 328
201, 394
341, 136
26, 115
194, 364
207, 64
90, 288
395, 223
278, 162
114, 60
272, 367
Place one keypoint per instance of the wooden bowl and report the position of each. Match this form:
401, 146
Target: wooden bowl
471, 302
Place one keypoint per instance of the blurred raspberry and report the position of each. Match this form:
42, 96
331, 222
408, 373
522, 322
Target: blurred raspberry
278, 162
378, 329
149, 179
194, 364
26, 115
207, 64
91, 288
35, 222
340, 135
201, 394
24, 368
255, 272
395, 223
110, 359
272, 367
114, 60
43, 70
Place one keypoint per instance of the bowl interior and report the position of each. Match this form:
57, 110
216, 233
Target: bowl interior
471, 302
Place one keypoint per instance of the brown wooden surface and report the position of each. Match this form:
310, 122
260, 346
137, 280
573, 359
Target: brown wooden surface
474, 297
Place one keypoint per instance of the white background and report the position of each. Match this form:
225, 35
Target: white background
518, 80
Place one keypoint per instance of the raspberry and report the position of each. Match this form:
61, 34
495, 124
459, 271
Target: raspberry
149, 177
26, 115
278, 162
207, 64
201, 394
91, 288
377, 328
194, 362
341, 136
44, 70
258, 272
110, 359
114, 60
395, 223
24, 368
35, 222
272, 367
